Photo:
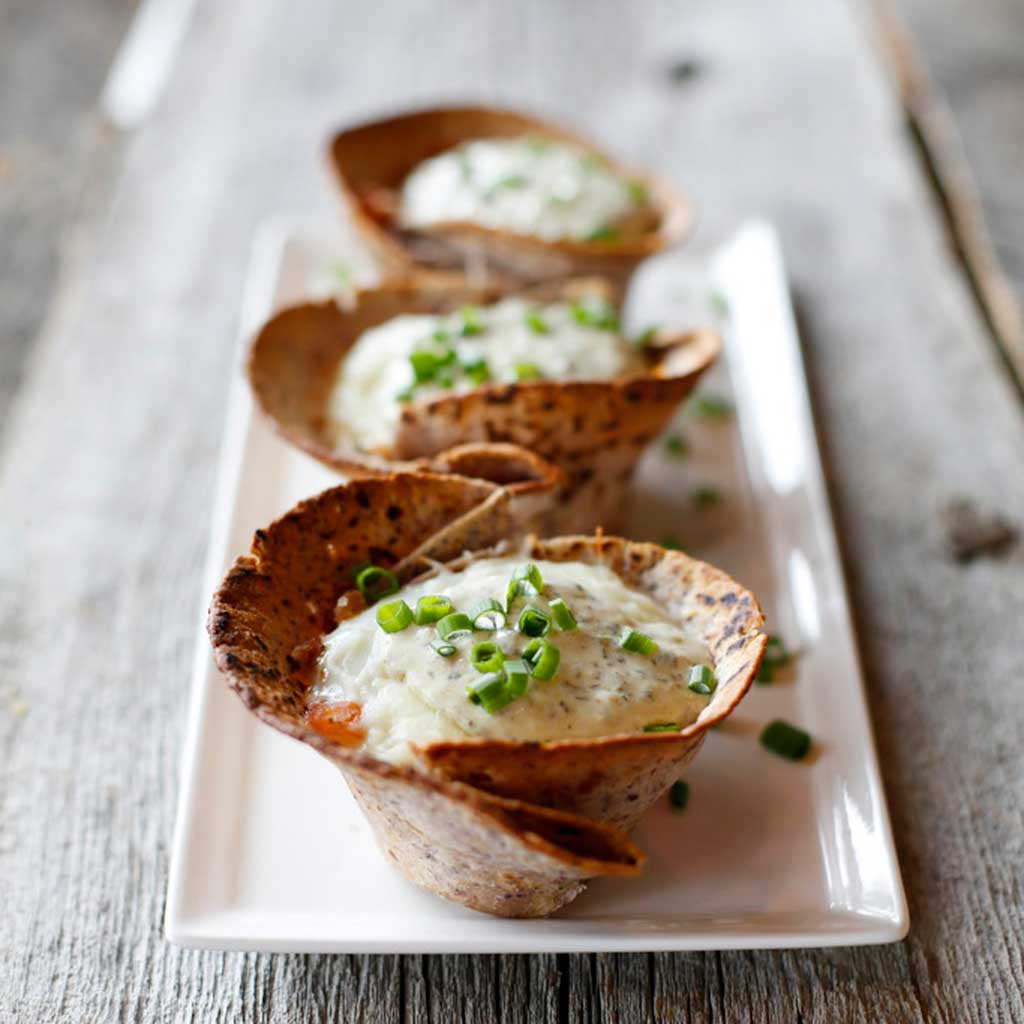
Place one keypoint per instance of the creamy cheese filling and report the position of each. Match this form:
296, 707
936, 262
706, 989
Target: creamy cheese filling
422, 356
529, 185
407, 693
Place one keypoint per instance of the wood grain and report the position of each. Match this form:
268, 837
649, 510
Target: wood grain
106, 478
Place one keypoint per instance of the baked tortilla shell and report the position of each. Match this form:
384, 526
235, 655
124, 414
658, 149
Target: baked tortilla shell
370, 162
506, 846
593, 431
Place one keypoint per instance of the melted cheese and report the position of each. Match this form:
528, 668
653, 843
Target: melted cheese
364, 406
527, 185
411, 695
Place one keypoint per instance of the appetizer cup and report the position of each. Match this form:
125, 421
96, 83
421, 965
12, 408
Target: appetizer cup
372, 161
507, 827
592, 430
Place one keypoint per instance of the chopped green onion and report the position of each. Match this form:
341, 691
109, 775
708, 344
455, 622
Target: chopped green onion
405, 395
661, 727
536, 322
488, 615
644, 339
454, 626
526, 581
470, 321
706, 497
593, 311
490, 692
604, 233
477, 371
537, 144
517, 677
676, 445
702, 680
719, 303
486, 657
679, 795
374, 583
534, 622
529, 371
669, 542
511, 181
343, 272
711, 407
785, 740
424, 365
431, 608
591, 162
775, 656
443, 647
394, 616
441, 336
638, 192
637, 643
563, 614
542, 658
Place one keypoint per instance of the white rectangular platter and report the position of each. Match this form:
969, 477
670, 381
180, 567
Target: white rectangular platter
270, 851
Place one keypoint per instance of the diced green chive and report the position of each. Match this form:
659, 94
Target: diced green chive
637, 643
638, 192
490, 692
705, 497
719, 303
454, 626
488, 615
441, 336
709, 406
537, 144
562, 614
471, 323
343, 272
512, 181
775, 656
702, 680
517, 677
405, 395
785, 740
533, 622
486, 657
661, 727
424, 365
526, 581
604, 233
465, 167
394, 616
676, 445
593, 311
536, 322
374, 582
529, 371
542, 658
679, 795
644, 339
445, 379
432, 608
477, 371
443, 647
669, 542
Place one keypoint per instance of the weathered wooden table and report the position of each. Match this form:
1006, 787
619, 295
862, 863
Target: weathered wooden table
112, 421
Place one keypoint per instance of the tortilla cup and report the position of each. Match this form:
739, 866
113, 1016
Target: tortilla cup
513, 829
593, 431
370, 162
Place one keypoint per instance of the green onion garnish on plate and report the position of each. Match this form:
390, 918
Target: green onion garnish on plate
477, 371
705, 497
679, 795
536, 322
443, 647
562, 614
529, 371
709, 406
702, 680
785, 740
490, 692
661, 727
471, 323
638, 192
637, 643
454, 626
542, 658
517, 677
374, 582
488, 615
394, 616
526, 582
775, 656
486, 657
594, 311
431, 608
534, 622
603, 233
644, 339
675, 445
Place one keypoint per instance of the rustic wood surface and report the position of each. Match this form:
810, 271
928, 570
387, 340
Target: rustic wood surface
109, 448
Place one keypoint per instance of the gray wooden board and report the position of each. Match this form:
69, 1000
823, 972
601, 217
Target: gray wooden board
107, 465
